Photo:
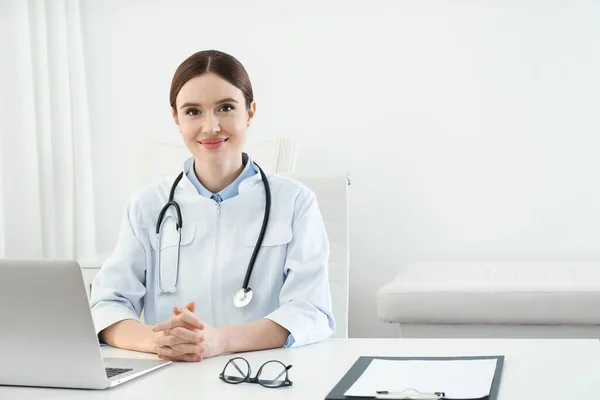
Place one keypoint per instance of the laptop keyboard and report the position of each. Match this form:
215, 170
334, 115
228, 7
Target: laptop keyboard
110, 372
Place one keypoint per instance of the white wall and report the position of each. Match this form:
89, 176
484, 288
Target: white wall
470, 128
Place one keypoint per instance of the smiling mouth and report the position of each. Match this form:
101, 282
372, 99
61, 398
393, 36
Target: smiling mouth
213, 144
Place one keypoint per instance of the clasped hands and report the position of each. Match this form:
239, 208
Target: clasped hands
184, 337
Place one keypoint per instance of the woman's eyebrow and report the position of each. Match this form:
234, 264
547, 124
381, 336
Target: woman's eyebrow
227, 100
184, 105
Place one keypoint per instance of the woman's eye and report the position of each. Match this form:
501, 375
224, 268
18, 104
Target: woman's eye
227, 108
192, 112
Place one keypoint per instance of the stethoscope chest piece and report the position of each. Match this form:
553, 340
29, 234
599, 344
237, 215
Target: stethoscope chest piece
243, 297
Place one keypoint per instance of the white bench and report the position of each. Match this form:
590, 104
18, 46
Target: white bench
494, 300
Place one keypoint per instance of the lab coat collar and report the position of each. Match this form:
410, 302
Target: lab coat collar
244, 185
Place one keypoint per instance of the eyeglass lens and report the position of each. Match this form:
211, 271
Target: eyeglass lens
272, 374
236, 370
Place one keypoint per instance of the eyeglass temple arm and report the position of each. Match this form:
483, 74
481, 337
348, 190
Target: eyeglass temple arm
283, 372
238, 368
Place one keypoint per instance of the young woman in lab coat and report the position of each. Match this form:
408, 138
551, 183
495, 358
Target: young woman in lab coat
222, 201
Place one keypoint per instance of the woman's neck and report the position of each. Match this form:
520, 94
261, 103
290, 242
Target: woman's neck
216, 177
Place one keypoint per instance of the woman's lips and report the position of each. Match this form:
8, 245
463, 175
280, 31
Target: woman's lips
213, 144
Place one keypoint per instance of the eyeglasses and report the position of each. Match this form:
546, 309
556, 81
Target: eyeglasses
272, 374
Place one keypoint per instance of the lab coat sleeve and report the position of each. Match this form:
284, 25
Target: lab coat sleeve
118, 289
305, 299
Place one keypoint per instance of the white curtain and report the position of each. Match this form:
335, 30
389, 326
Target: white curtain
46, 188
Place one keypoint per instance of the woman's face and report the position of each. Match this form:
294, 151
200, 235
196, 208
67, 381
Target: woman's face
213, 118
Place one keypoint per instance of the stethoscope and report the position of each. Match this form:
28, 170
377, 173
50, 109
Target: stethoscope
243, 297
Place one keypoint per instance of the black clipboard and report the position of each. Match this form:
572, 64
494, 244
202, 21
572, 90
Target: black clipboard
337, 393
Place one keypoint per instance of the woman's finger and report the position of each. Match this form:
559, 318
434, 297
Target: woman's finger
168, 324
192, 357
187, 335
190, 306
187, 321
188, 348
167, 351
169, 340
190, 318
184, 357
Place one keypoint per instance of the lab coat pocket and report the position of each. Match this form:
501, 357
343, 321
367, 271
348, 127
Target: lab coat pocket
270, 259
169, 237
170, 250
277, 233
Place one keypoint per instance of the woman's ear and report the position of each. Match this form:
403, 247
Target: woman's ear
251, 113
175, 117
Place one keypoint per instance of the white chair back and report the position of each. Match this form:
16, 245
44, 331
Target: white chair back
332, 192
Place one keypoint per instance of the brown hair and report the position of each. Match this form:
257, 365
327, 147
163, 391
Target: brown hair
222, 64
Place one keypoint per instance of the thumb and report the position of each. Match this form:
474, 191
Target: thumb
190, 306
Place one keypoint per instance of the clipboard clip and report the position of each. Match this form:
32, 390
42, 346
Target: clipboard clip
409, 394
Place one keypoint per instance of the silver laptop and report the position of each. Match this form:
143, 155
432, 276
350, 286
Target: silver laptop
47, 335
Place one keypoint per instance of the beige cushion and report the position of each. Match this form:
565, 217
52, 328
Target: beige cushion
500, 293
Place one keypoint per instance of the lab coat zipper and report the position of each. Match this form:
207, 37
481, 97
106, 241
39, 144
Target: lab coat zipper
213, 266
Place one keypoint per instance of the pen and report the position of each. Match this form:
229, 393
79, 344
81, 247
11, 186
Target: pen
409, 394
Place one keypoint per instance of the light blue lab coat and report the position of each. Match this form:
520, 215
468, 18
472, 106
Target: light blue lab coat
290, 278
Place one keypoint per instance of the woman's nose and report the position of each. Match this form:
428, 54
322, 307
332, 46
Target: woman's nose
211, 126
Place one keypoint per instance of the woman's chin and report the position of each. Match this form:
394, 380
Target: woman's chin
215, 157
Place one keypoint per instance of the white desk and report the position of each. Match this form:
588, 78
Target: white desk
534, 369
